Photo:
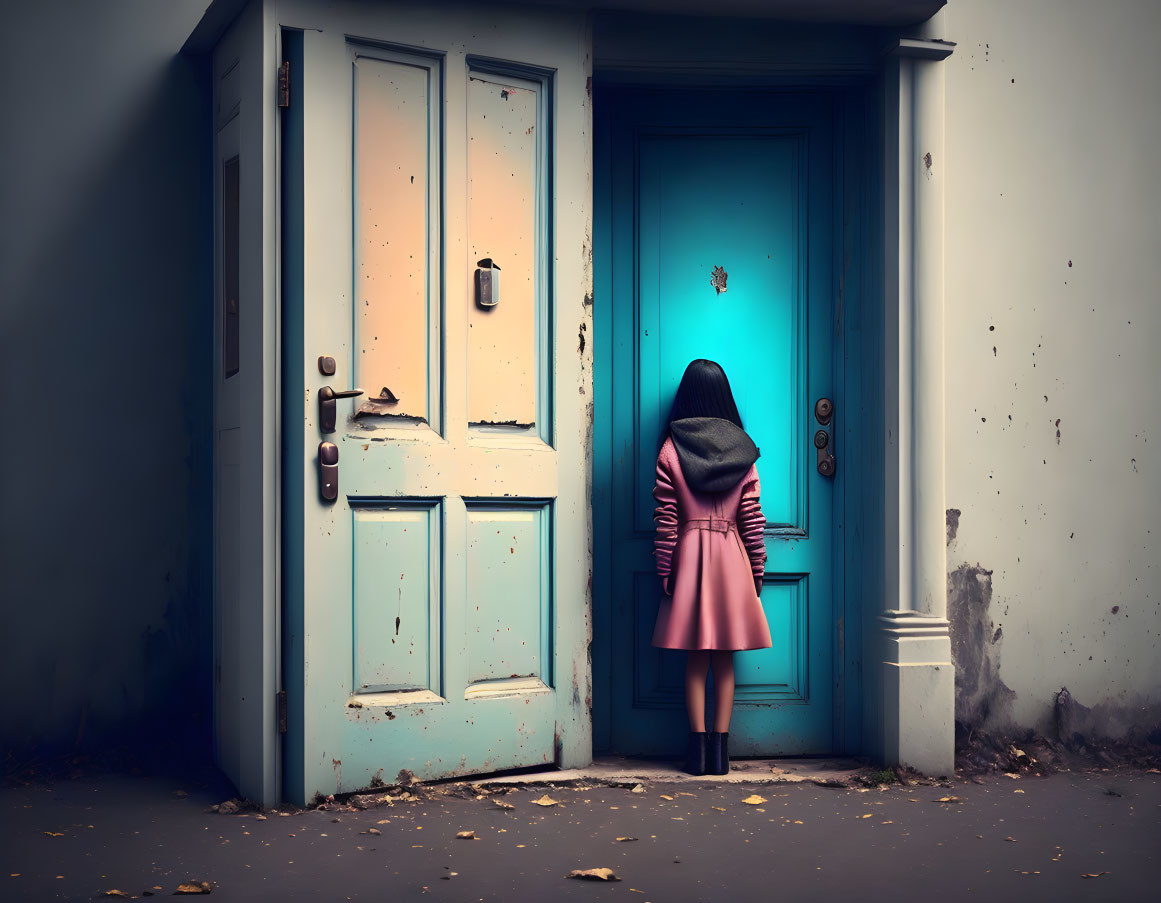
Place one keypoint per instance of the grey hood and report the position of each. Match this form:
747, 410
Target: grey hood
714, 453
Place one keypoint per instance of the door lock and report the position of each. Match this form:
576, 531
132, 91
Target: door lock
328, 471
326, 406
824, 413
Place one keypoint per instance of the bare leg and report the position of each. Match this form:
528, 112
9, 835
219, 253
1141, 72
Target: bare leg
696, 668
723, 664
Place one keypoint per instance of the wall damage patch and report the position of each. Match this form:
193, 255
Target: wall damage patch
981, 696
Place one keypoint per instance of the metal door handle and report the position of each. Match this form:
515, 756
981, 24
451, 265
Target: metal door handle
824, 413
326, 406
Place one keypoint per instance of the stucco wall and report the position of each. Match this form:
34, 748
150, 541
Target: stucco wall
1053, 322
104, 274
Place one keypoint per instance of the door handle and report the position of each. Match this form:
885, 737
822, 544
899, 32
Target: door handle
824, 413
328, 471
326, 406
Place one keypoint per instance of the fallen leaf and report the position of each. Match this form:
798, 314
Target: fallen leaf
754, 800
949, 799
55, 833
194, 887
868, 815
113, 892
371, 831
381, 821
1153, 771
797, 822
719, 808
638, 788
625, 839
500, 804
664, 797
679, 793
546, 800
601, 874
1093, 874
1010, 839
887, 822
1017, 791
467, 835
1009, 774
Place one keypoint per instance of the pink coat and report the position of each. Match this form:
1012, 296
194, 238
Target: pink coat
710, 557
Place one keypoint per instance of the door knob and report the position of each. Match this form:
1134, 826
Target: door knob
326, 406
823, 413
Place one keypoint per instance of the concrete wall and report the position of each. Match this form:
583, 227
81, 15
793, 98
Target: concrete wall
104, 273
1053, 322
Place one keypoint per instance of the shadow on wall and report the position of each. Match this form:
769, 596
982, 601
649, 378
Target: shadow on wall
106, 336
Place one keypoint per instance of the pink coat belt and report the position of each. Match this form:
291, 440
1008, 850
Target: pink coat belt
717, 524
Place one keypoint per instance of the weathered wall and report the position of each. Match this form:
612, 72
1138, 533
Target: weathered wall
1053, 322
104, 274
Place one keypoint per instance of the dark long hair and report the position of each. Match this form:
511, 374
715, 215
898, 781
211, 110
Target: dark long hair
704, 391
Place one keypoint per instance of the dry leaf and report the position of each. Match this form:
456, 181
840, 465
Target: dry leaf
467, 835
381, 821
114, 893
194, 887
546, 800
1093, 874
371, 831
601, 874
625, 839
754, 800
664, 797
719, 808
500, 804
682, 793
949, 799
1153, 771
55, 833
1009, 774
638, 788
1010, 839
868, 815
1017, 791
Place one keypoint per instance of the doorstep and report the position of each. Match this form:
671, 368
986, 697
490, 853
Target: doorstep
625, 769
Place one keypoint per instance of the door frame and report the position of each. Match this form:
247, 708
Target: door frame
894, 691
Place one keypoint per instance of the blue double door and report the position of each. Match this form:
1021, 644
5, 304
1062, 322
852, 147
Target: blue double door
715, 239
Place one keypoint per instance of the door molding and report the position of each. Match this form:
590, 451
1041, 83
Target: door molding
899, 707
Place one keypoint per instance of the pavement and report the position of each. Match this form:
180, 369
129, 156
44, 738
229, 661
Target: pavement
783, 829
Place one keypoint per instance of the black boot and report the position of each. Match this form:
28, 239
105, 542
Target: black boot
717, 753
695, 753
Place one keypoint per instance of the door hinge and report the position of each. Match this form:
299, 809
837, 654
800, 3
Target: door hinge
284, 84
280, 707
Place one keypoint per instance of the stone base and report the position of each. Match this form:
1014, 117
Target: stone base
918, 693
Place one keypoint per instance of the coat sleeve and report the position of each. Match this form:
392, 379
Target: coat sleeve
665, 520
751, 523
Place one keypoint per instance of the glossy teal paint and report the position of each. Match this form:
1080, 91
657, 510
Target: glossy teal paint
687, 181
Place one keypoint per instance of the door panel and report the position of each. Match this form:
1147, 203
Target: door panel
741, 181
432, 602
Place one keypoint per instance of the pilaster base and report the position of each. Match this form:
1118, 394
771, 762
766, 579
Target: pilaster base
918, 693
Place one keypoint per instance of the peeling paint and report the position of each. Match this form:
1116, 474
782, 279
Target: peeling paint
952, 524
981, 696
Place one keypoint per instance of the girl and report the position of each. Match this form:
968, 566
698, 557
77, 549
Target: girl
710, 551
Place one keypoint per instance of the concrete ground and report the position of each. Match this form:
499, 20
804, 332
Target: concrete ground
787, 829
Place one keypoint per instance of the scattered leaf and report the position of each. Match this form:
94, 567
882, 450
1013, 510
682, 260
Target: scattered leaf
600, 874
664, 797
194, 887
500, 804
797, 822
547, 800
1093, 874
1009, 774
381, 821
868, 815
754, 800
466, 835
55, 833
1017, 790
1010, 839
679, 793
719, 808
625, 839
113, 892
949, 799
638, 788
371, 831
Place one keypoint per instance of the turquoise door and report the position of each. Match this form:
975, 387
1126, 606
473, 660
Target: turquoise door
689, 182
